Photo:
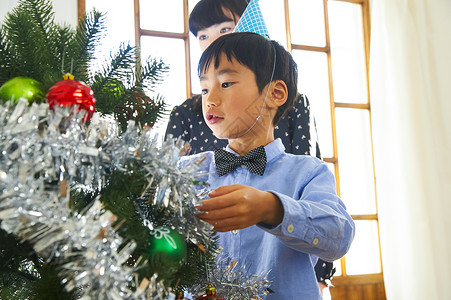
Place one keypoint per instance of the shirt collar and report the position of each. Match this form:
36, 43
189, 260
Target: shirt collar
273, 149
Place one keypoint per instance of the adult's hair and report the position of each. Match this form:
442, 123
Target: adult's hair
257, 53
210, 12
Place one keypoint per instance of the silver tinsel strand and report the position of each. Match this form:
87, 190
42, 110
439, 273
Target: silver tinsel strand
39, 164
235, 283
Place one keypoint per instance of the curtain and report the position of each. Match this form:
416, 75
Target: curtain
410, 86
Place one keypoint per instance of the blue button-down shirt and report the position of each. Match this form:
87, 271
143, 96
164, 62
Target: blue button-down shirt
315, 222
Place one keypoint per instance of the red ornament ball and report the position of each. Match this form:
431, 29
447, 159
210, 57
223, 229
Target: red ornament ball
70, 92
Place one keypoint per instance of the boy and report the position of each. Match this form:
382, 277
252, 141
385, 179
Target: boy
274, 211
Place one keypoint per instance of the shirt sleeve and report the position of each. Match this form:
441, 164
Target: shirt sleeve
317, 222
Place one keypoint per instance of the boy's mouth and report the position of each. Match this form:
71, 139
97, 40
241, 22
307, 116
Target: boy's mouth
212, 118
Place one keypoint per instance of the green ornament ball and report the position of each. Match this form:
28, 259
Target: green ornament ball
21, 87
167, 250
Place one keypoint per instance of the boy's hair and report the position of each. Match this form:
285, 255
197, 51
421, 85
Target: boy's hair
256, 53
210, 12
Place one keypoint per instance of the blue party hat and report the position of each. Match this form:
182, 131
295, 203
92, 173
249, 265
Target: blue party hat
252, 20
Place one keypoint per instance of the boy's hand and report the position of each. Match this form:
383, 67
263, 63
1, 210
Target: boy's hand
239, 206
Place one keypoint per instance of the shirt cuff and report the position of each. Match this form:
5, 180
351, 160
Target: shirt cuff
295, 225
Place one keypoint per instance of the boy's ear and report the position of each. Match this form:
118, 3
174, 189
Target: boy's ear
278, 92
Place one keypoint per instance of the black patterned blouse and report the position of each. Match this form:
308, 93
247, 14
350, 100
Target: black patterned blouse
294, 129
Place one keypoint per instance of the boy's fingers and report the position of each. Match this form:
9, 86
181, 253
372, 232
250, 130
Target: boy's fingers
215, 203
226, 224
218, 214
222, 190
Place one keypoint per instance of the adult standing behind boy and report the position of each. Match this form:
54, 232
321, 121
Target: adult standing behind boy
273, 211
209, 20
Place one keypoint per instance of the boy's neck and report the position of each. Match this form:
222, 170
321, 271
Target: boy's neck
245, 144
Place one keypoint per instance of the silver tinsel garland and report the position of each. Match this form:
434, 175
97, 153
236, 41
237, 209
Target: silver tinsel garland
44, 153
235, 283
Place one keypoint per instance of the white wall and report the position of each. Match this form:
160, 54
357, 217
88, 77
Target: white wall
5, 7
65, 10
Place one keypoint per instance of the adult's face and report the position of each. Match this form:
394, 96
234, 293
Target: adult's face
208, 35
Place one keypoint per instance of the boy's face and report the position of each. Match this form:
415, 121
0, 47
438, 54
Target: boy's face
231, 101
208, 35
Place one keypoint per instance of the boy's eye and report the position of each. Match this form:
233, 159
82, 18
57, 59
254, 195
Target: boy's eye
226, 84
204, 91
202, 37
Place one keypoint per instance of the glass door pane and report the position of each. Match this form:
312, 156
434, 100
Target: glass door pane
347, 52
307, 22
162, 15
173, 87
363, 257
119, 24
313, 81
274, 16
355, 160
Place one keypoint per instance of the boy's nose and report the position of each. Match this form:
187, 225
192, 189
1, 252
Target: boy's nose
213, 98
210, 103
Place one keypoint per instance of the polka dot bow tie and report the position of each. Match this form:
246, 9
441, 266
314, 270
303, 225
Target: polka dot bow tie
254, 160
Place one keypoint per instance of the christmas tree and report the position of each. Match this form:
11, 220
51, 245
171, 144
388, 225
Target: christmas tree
91, 207
32, 45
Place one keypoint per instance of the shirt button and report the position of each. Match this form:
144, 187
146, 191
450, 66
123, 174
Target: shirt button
315, 241
290, 228
235, 231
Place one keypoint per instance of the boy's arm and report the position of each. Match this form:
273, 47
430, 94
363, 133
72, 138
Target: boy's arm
316, 223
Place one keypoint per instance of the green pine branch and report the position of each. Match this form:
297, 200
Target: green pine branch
128, 100
23, 274
120, 65
18, 28
16, 286
152, 73
15, 255
139, 107
90, 31
28, 42
42, 15
6, 57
